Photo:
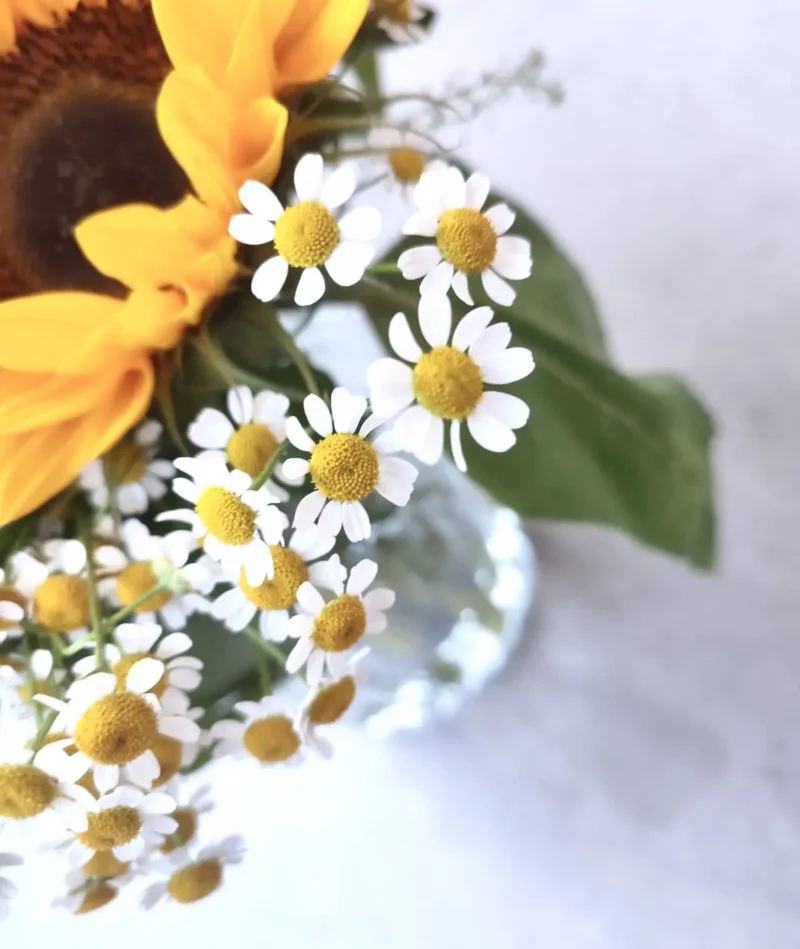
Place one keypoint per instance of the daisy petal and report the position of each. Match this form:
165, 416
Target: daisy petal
315, 667
402, 339
11, 612
461, 288
106, 777
379, 599
419, 261
330, 521
355, 521
176, 726
157, 802
430, 451
510, 365
471, 327
513, 259
247, 229
411, 427
490, 343
240, 404
299, 655
347, 410
144, 674
347, 263
361, 576
490, 433
506, 408
362, 224
435, 318
174, 645
298, 436
308, 177
308, 510
421, 225
339, 187
295, 469
260, 200
455, 188
455, 446
391, 386
477, 190
310, 599
130, 851
497, 289
429, 192
501, 217
438, 281
318, 415
269, 279
144, 770
310, 287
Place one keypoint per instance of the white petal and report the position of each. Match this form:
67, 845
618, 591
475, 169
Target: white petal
161, 825
421, 225
318, 415
347, 410
186, 679
489, 433
308, 177
339, 187
361, 576
10, 612
477, 190
78, 854
391, 386
106, 777
355, 521
308, 510
455, 446
144, 674
310, 599
438, 281
429, 192
154, 487
247, 229
362, 224
455, 189
397, 480
412, 426
269, 407
508, 366
157, 802
513, 259
71, 556
144, 770
501, 217
41, 663
298, 436
135, 638
259, 565
461, 288
310, 287
269, 279
346, 265
490, 343
161, 468
130, 851
471, 327
506, 408
186, 489
176, 726
497, 289
240, 404
330, 521
273, 625
402, 339
376, 623
149, 432
337, 574
378, 600
299, 655
132, 498
300, 626
295, 469
258, 199
227, 729
173, 645
435, 318
430, 451
418, 261
315, 667
94, 688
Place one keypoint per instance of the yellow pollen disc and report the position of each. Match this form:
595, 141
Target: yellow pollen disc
111, 828
340, 624
306, 234
195, 882
344, 467
271, 739
407, 164
398, 11
251, 447
97, 896
281, 592
25, 791
134, 581
467, 239
187, 828
105, 864
126, 462
124, 666
61, 603
332, 702
226, 516
169, 754
9, 594
448, 383
117, 729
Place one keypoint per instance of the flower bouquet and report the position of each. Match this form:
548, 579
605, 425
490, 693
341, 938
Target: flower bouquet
183, 189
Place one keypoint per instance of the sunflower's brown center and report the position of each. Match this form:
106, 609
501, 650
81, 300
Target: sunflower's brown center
78, 135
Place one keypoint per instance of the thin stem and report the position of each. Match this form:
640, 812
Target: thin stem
131, 608
98, 629
30, 678
77, 647
42, 732
57, 647
387, 266
297, 356
269, 648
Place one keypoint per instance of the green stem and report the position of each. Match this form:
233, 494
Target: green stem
98, 629
131, 608
266, 646
30, 678
77, 647
297, 356
58, 648
266, 473
387, 266
42, 732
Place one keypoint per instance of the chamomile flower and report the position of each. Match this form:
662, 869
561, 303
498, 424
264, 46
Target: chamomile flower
86, 893
400, 20
328, 702
148, 559
307, 235
7, 887
56, 591
194, 878
274, 598
135, 641
447, 383
405, 153
249, 437
236, 524
125, 823
344, 466
31, 790
326, 632
12, 607
131, 471
268, 733
468, 241
187, 817
18, 685
114, 730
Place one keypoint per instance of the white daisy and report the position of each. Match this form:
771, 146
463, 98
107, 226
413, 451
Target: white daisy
400, 20
12, 605
405, 153
86, 893
195, 878
147, 560
7, 888
468, 241
344, 466
328, 702
35, 791
307, 235
18, 685
56, 592
114, 729
447, 383
237, 524
325, 632
135, 641
274, 598
268, 733
131, 470
249, 438
187, 817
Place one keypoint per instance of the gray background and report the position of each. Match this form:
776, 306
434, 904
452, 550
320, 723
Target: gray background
634, 779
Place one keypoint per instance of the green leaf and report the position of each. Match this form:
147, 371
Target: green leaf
367, 69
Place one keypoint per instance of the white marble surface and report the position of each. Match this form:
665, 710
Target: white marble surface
634, 779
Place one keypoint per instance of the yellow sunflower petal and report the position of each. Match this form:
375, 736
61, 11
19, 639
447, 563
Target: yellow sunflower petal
154, 319
203, 35
256, 141
38, 464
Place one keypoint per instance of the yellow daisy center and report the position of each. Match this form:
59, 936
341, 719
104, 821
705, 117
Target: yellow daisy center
340, 624
9, 594
271, 739
97, 896
306, 234
407, 164
251, 447
398, 11
169, 754
105, 864
467, 240
332, 702
134, 581
126, 462
187, 828
226, 516
116, 729
111, 828
344, 467
124, 666
195, 882
25, 791
448, 383
281, 592
61, 603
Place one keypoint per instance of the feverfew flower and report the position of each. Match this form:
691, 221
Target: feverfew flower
57, 591
87, 892
131, 470
187, 817
268, 733
468, 241
344, 466
236, 523
447, 383
325, 632
274, 598
7, 888
18, 685
307, 235
400, 20
195, 878
30, 790
12, 606
328, 702
405, 153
